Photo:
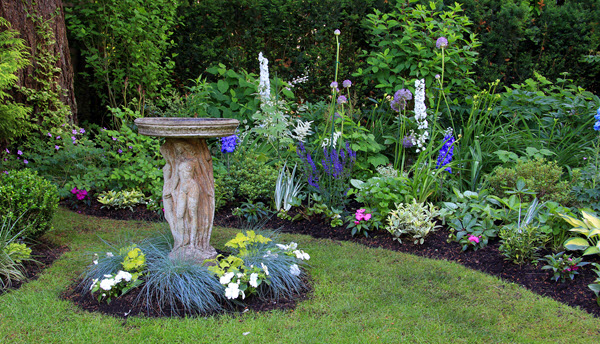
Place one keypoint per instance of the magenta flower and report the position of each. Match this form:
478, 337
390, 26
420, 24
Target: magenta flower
114, 138
19, 152
50, 135
56, 147
25, 161
355, 222
82, 130
367, 217
74, 132
7, 151
474, 239
74, 190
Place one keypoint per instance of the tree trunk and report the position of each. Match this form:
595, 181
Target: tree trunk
16, 12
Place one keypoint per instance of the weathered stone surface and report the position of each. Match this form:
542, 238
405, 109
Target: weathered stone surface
186, 127
188, 190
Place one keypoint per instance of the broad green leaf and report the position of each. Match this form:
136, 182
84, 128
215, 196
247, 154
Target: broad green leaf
572, 221
591, 219
591, 250
576, 244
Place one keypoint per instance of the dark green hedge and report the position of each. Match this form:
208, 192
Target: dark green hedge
293, 35
517, 38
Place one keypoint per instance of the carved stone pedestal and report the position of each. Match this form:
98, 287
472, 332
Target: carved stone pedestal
188, 190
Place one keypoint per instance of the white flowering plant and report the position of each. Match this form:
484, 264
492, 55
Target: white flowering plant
114, 285
238, 279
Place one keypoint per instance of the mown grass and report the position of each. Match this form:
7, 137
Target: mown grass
361, 295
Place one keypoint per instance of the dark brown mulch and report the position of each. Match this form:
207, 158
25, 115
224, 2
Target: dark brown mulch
489, 260
44, 254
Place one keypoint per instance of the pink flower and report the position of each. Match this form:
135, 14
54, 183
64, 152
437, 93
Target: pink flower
359, 216
361, 211
367, 217
474, 239
356, 222
74, 191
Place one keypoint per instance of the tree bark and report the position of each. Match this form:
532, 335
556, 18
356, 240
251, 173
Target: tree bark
16, 12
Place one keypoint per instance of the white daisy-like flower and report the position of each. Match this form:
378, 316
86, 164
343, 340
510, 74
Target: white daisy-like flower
254, 280
225, 279
295, 270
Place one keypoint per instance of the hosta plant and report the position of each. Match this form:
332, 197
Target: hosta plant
589, 227
122, 199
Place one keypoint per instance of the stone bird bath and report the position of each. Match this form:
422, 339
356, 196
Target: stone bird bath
189, 187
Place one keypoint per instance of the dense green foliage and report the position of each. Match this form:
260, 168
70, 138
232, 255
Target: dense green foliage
124, 43
13, 56
30, 198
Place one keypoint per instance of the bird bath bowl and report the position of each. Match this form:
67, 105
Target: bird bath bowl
189, 187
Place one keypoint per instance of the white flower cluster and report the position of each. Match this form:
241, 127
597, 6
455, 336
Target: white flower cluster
302, 130
299, 80
336, 136
421, 114
110, 281
233, 291
264, 86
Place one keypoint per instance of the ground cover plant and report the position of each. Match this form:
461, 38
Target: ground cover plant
404, 152
353, 298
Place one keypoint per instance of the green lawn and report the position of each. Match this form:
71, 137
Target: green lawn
361, 295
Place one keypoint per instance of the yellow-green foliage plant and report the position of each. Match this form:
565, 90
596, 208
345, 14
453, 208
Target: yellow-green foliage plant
122, 199
589, 227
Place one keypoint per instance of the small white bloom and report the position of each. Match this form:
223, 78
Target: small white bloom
254, 280
282, 247
107, 283
225, 279
109, 254
301, 255
93, 283
95, 259
293, 245
295, 270
240, 275
123, 275
265, 269
232, 291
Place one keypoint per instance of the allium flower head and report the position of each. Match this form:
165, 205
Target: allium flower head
408, 141
441, 42
333, 84
400, 98
347, 83
342, 100
336, 32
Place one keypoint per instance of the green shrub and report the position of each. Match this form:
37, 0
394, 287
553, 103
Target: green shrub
24, 192
541, 177
414, 219
247, 179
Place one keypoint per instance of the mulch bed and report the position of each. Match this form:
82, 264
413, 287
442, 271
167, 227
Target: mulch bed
489, 260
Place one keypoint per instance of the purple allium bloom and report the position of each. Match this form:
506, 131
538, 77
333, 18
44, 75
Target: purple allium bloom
347, 83
597, 126
408, 141
333, 84
56, 147
228, 143
400, 98
337, 32
441, 42
437, 76
50, 135
120, 151
82, 130
446, 152
19, 152
25, 161
342, 100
